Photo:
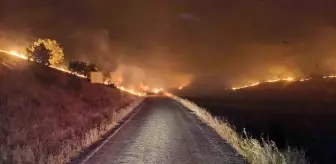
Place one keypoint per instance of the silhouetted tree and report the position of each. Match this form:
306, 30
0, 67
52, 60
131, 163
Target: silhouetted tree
40, 54
90, 68
73, 66
55, 50
107, 78
82, 68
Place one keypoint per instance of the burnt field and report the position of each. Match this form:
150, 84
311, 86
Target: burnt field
297, 114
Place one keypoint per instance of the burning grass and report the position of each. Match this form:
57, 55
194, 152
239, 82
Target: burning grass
47, 116
253, 150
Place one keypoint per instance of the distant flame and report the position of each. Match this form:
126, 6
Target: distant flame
146, 88
288, 79
182, 86
332, 76
157, 90
246, 86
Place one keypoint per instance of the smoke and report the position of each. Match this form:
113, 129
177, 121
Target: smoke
147, 68
95, 46
15, 40
169, 43
134, 77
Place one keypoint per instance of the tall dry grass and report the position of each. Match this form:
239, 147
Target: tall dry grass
253, 150
49, 117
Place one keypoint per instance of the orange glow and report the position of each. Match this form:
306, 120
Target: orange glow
119, 80
305, 79
21, 56
246, 86
182, 86
331, 76
168, 94
145, 88
157, 90
15, 53
67, 71
288, 79
132, 91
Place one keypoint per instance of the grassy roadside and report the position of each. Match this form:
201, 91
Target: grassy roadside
48, 117
61, 144
253, 150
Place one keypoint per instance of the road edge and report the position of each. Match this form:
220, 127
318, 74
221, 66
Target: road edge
99, 144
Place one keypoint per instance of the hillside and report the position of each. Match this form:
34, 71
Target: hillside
47, 116
298, 114
320, 93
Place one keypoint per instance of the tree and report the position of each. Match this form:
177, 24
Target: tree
90, 68
107, 78
40, 54
77, 67
57, 54
82, 68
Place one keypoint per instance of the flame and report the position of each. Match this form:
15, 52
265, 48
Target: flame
157, 90
305, 79
273, 81
182, 86
59, 68
67, 71
288, 79
132, 91
146, 88
331, 76
15, 53
246, 86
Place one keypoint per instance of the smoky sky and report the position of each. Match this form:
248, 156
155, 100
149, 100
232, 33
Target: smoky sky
234, 41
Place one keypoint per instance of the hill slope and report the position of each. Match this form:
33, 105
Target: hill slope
299, 114
47, 116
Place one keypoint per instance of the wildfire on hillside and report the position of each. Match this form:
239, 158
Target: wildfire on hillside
142, 89
63, 69
14, 53
132, 91
288, 79
331, 76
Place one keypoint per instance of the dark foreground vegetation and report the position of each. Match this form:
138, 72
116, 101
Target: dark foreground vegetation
300, 114
47, 116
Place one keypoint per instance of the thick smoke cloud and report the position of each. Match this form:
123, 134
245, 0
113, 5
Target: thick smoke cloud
172, 41
95, 47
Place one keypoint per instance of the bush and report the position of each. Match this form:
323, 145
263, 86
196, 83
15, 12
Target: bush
82, 68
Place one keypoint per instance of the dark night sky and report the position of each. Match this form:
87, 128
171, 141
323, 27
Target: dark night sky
169, 39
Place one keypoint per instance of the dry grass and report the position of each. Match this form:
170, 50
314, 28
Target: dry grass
254, 151
49, 117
